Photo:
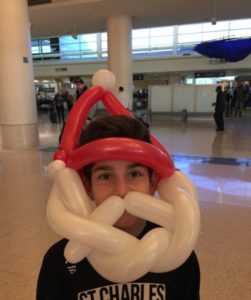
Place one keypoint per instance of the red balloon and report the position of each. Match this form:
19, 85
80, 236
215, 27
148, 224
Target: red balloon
117, 148
114, 106
78, 116
152, 155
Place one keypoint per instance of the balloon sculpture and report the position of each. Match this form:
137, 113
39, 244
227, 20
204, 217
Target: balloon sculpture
113, 253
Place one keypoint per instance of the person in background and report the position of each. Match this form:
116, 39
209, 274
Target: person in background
219, 109
227, 99
81, 87
59, 103
68, 99
239, 95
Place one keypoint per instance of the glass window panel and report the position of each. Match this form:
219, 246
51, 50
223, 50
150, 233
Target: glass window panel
88, 46
190, 28
236, 24
104, 54
240, 33
69, 39
208, 36
161, 31
139, 33
71, 57
189, 81
204, 81
89, 55
190, 38
161, 42
88, 42
88, 37
219, 26
104, 43
35, 49
104, 36
34, 43
45, 42
46, 49
140, 44
104, 46
69, 43
208, 27
46, 46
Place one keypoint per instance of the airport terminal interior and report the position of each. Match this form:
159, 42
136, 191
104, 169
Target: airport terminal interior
165, 84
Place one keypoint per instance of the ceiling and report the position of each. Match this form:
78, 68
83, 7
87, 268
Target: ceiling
83, 16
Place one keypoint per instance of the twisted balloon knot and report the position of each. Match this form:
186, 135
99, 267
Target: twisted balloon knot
61, 154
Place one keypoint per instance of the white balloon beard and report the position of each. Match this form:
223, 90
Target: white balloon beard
91, 232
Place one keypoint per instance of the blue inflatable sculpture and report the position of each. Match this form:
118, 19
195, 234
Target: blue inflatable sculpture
230, 50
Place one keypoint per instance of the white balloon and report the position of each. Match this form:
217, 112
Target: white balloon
104, 78
149, 208
54, 167
115, 254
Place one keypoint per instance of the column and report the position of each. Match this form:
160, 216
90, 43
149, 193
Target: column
120, 55
18, 114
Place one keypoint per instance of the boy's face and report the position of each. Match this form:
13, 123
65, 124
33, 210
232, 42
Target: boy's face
117, 177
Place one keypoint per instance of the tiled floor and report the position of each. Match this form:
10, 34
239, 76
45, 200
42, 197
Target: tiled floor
224, 247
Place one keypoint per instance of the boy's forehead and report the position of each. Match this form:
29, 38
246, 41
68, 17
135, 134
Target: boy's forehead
115, 164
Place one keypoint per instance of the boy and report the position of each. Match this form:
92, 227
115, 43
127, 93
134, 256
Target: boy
59, 280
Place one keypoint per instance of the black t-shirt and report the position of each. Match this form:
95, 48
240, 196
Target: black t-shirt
60, 280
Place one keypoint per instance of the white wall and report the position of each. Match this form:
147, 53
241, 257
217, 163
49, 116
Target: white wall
47, 69
161, 98
175, 98
205, 96
183, 98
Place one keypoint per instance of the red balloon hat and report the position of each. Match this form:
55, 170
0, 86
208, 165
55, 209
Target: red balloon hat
76, 157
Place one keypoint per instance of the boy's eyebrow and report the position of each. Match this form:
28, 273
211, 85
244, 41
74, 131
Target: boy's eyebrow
135, 165
108, 168
102, 168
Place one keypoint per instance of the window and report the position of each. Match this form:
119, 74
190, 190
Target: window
161, 37
208, 36
240, 24
152, 39
188, 29
190, 34
215, 32
140, 44
161, 31
35, 47
77, 46
219, 26
157, 41
190, 38
241, 33
46, 46
88, 42
196, 33
140, 40
69, 47
140, 33
104, 43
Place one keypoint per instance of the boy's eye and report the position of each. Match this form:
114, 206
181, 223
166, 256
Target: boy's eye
105, 176
135, 173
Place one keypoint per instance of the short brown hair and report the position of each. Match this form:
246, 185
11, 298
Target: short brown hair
113, 126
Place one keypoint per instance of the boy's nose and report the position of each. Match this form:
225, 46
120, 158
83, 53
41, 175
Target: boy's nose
121, 188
